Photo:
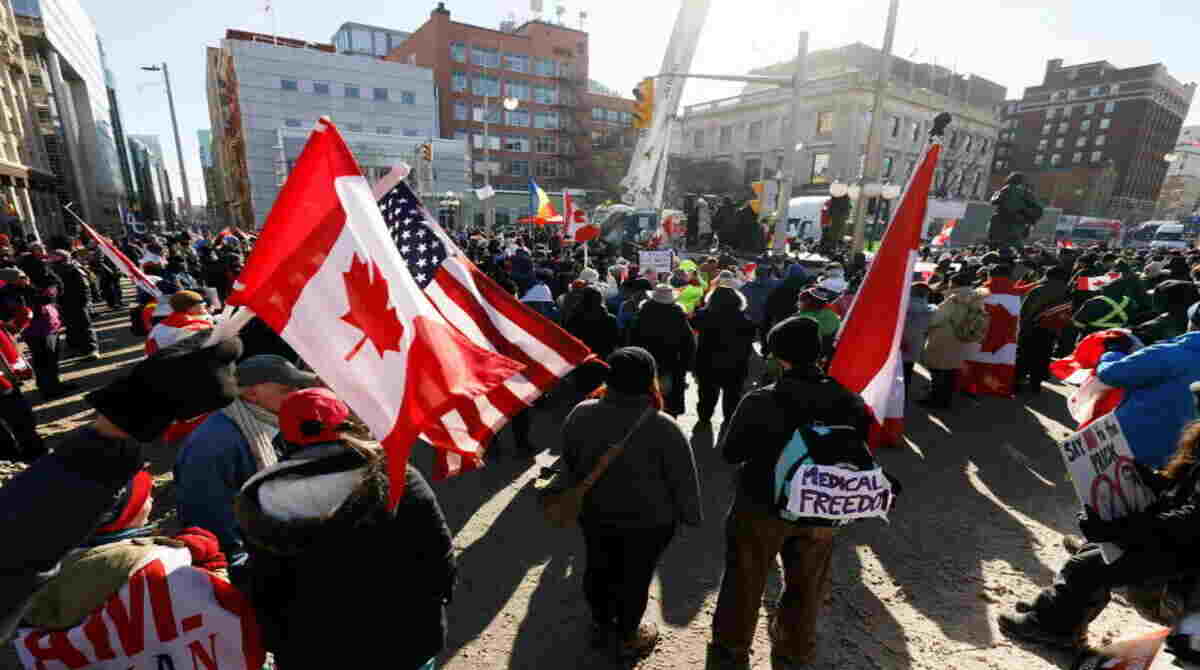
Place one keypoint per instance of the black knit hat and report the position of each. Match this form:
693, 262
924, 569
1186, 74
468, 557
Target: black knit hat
796, 340
631, 370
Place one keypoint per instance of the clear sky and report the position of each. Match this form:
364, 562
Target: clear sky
1007, 42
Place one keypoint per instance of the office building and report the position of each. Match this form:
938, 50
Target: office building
1180, 193
751, 134
544, 67
72, 106
118, 133
1092, 137
216, 214
154, 184
265, 94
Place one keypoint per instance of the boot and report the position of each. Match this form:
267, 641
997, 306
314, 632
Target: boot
640, 643
1026, 626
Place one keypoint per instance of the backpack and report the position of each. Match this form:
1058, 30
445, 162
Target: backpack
973, 326
819, 444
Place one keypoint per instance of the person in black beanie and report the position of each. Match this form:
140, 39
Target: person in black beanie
761, 427
92, 466
630, 516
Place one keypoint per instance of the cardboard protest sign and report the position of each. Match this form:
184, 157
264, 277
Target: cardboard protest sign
838, 494
1100, 463
169, 614
658, 261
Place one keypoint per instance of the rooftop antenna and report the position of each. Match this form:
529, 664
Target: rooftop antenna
559, 10
582, 18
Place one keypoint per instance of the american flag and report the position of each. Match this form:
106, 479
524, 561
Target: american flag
488, 315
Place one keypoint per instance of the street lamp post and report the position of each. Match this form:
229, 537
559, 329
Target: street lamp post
187, 192
874, 144
489, 208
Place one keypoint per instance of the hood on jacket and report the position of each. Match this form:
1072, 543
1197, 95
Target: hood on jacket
318, 493
1175, 296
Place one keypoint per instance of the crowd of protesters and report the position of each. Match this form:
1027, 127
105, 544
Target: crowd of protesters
275, 480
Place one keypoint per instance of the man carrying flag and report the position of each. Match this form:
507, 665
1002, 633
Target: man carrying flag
329, 279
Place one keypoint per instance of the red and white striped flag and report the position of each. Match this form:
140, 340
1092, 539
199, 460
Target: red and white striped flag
328, 278
578, 228
867, 360
126, 266
943, 238
488, 315
1096, 283
1065, 244
991, 365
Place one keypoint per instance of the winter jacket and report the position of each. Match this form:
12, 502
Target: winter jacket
663, 330
652, 483
1157, 402
756, 292
1046, 294
1016, 211
1171, 299
596, 329
175, 327
76, 287
916, 328
943, 349
1172, 522
324, 541
783, 300
212, 465
767, 418
47, 536
725, 342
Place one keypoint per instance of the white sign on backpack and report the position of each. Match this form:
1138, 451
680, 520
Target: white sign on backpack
838, 494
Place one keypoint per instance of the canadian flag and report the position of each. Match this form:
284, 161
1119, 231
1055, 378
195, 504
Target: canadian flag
328, 278
1093, 399
1096, 283
943, 238
991, 365
126, 266
867, 360
578, 228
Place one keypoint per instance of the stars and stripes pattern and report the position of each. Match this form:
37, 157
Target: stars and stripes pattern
488, 315
119, 259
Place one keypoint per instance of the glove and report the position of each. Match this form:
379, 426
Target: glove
1096, 529
180, 382
205, 549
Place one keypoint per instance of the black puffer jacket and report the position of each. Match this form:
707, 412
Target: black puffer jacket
312, 570
766, 419
591, 322
663, 330
726, 339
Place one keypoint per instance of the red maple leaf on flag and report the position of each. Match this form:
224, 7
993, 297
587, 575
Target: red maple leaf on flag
1001, 327
370, 308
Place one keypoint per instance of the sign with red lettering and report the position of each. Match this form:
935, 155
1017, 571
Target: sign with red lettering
1100, 463
169, 615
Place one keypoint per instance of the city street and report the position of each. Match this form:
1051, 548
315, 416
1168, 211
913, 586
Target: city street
979, 526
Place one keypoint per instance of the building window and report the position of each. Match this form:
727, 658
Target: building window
1096, 156
518, 168
1105, 123
321, 88
1041, 145
1100, 140
970, 141
289, 84
916, 131
1089, 109
824, 123
380, 94
1085, 125
545, 67
983, 146
820, 169
478, 112
895, 126
493, 142
544, 95
518, 118
458, 82
1055, 160
597, 113
516, 89
1110, 107
484, 84
1077, 157
516, 62
43, 115
1081, 141
1057, 95
291, 123
754, 133
461, 135
518, 143
697, 139
354, 127
545, 144
1067, 111
546, 168
35, 80
485, 57
887, 167
545, 120
1059, 143
1046, 129
458, 52
460, 111
352, 91
1063, 127
413, 132
726, 137
999, 165
1039, 159
612, 116
408, 98
383, 130
627, 118
1051, 112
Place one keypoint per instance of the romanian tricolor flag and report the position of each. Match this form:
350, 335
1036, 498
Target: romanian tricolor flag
540, 206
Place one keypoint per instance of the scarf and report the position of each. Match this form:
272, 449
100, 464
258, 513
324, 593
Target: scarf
259, 427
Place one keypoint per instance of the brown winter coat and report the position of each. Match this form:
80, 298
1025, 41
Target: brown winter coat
943, 350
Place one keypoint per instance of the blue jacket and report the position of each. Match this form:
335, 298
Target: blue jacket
756, 293
1158, 402
213, 463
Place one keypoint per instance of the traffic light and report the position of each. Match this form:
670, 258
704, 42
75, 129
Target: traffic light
643, 109
427, 151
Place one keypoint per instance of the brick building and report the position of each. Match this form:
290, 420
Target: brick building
550, 135
1092, 137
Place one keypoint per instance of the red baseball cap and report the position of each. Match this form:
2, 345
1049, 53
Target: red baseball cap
128, 504
311, 415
